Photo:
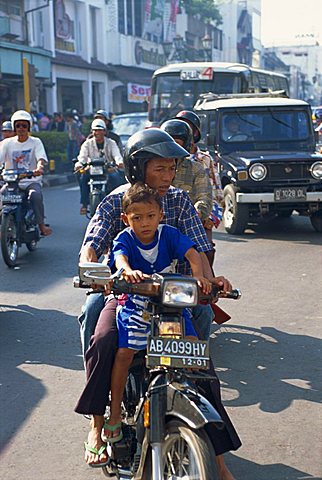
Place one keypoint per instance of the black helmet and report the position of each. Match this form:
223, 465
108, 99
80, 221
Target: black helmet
102, 113
147, 144
179, 129
193, 118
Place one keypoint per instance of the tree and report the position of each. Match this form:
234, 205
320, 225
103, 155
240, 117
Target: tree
207, 10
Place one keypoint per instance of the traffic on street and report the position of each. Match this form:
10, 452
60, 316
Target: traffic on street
268, 356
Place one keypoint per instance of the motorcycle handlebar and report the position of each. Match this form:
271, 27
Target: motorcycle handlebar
150, 288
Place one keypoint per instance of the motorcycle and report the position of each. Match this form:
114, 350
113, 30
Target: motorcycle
98, 171
18, 222
164, 415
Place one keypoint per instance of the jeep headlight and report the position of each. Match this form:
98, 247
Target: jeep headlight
180, 293
258, 172
316, 170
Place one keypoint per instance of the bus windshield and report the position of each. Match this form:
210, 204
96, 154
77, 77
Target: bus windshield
172, 94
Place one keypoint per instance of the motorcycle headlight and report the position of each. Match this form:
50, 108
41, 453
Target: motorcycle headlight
96, 170
10, 176
258, 172
180, 293
316, 170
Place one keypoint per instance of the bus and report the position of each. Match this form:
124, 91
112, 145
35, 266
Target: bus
177, 86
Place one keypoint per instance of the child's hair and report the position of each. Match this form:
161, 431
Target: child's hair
140, 192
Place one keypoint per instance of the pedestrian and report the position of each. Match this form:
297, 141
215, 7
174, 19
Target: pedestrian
74, 137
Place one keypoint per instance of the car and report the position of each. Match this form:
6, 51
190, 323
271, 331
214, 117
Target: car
265, 146
128, 123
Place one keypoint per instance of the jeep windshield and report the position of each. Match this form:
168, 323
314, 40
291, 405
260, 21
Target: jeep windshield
265, 129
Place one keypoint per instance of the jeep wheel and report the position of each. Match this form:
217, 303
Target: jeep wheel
316, 221
235, 214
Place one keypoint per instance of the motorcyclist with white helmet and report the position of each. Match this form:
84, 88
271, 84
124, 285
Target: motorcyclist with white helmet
27, 153
95, 146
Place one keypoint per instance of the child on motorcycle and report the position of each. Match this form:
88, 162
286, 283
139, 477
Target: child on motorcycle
143, 248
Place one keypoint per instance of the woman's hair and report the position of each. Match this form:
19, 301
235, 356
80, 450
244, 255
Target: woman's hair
140, 193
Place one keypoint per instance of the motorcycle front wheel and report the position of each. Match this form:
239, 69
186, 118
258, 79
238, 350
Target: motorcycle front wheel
187, 454
9, 241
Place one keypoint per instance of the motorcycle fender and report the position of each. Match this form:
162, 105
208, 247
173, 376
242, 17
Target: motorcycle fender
191, 407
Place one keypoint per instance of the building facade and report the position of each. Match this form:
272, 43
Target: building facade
91, 54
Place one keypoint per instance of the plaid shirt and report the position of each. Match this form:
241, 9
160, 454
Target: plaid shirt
178, 212
192, 178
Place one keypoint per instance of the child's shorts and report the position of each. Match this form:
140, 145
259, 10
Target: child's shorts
133, 325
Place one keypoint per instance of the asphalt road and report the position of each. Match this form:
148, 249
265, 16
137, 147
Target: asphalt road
268, 356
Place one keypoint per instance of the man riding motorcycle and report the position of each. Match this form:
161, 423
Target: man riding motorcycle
150, 156
92, 148
27, 153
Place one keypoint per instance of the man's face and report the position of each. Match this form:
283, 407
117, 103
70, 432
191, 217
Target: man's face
99, 135
21, 129
159, 174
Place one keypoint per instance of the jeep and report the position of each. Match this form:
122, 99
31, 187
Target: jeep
265, 147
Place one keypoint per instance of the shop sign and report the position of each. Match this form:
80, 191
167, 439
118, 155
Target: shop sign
150, 56
64, 28
138, 93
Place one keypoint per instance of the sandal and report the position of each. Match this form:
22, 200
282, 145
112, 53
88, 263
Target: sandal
97, 452
83, 211
112, 428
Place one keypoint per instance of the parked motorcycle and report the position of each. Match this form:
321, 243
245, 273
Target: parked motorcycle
18, 222
165, 416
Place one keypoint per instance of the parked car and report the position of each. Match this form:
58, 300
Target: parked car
128, 123
265, 146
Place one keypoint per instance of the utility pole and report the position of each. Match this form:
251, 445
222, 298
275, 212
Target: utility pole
26, 84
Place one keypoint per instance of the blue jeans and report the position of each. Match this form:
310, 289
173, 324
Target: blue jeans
89, 316
202, 318
83, 180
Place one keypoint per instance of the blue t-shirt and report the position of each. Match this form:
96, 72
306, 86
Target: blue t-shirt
169, 244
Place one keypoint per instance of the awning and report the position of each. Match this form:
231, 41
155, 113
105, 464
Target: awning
132, 74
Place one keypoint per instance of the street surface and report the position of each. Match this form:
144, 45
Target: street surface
268, 355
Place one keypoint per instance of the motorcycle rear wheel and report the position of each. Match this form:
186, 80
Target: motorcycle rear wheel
9, 241
187, 454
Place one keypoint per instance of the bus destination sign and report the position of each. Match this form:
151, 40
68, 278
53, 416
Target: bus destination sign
197, 74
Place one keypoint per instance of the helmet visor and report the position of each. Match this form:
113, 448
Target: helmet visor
166, 150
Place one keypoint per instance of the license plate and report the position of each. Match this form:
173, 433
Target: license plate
96, 170
177, 353
11, 198
289, 194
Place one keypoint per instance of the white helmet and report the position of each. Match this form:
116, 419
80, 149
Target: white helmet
98, 124
21, 115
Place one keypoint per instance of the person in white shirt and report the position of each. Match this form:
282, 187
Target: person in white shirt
23, 152
94, 147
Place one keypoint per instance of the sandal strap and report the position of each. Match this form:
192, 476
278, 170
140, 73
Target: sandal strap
94, 450
112, 428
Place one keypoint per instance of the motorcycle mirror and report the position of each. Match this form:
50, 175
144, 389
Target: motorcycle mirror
94, 273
